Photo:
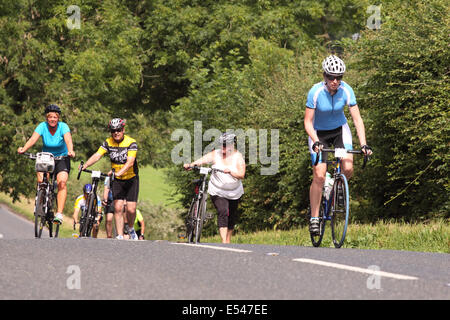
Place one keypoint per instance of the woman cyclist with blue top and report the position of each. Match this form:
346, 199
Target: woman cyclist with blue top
326, 125
57, 140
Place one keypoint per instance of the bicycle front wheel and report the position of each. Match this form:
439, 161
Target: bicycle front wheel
39, 213
190, 220
91, 214
339, 211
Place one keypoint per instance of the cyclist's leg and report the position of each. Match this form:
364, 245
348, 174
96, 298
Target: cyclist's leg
62, 169
40, 177
319, 171
131, 213
222, 207
118, 216
232, 219
132, 197
345, 141
109, 215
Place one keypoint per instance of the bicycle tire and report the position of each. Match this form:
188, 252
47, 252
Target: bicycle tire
190, 220
51, 216
39, 213
91, 214
339, 210
200, 219
316, 239
83, 223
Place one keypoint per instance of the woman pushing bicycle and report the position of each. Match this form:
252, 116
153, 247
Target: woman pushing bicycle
57, 140
225, 188
326, 125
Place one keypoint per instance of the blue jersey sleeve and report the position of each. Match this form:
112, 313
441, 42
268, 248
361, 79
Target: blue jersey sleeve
64, 128
40, 128
351, 98
310, 99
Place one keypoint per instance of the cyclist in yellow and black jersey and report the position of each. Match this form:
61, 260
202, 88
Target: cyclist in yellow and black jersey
119, 153
122, 151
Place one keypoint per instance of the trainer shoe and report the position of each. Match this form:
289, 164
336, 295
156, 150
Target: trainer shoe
58, 218
119, 237
133, 235
314, 226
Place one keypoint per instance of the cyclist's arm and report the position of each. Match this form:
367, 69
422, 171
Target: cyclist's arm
240, 165
75, 214
68, 140
207, 158
127, 165
142, 226
93, 159
33, 139
309, 126
359, 124
105, 194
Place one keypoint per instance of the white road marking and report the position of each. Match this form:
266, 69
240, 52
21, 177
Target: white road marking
357, 269
211, 247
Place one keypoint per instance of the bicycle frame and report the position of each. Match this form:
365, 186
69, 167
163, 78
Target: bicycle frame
86, 215
198, 202
333, 207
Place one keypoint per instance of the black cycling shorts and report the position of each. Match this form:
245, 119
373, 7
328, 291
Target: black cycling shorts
227, 213
62, 165
340, 137
126, 189
109, 208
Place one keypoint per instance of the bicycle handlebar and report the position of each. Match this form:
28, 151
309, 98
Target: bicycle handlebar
104, 175
209, 169
33, 156
366, 157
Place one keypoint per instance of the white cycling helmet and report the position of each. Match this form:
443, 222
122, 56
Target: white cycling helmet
116, 123
333, 65
227, 138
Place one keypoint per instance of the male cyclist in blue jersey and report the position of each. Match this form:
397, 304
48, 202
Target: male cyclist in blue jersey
326, 125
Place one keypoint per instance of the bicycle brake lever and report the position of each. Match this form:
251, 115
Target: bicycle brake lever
80, 168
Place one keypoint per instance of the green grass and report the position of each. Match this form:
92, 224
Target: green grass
154, 188
433, 236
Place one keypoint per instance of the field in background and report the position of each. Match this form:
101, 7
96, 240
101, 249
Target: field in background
154, 188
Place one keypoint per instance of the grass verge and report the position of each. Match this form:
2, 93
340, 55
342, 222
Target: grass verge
433, 236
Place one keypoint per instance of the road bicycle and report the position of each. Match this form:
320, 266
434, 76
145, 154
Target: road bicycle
45, 199
89, 213
197, 210
335, 207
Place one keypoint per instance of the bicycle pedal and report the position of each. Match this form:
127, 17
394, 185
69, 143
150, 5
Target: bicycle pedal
208, 215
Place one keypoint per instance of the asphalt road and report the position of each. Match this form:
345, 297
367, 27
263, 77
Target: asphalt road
122, 269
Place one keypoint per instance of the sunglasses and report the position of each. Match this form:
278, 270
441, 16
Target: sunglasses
331, 78
115, 130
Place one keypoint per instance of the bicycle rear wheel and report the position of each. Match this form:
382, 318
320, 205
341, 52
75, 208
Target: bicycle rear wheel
39, 213
200, 219
339, 211
316, 239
